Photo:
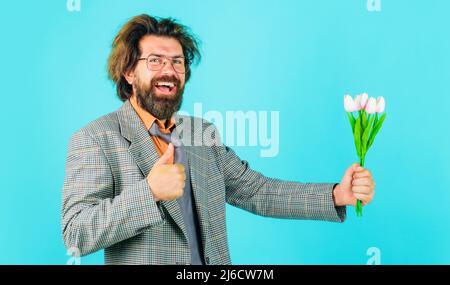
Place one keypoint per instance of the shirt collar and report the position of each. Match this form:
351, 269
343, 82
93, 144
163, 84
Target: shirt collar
148, 119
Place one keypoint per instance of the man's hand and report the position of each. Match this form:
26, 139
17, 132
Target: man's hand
166, 180
356, 184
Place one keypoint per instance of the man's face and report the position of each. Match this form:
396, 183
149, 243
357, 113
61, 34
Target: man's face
159, 92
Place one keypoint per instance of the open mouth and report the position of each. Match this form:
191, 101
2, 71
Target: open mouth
165, 87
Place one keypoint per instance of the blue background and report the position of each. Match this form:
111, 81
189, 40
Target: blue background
295, 57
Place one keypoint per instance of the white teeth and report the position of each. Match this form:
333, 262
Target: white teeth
169, 84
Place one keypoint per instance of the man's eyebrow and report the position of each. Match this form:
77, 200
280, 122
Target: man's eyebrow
161, 55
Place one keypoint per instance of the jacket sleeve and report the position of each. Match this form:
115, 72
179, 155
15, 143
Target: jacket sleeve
92, 218
252, 191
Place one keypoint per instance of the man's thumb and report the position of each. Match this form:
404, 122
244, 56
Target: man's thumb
349, 172
165, 158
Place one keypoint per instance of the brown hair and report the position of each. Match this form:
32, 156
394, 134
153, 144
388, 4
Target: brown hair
126, 52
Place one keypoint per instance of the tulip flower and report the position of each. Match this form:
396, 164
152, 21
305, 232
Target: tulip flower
371, 106
349, 104
364, 98
365, 127
380, 105
358, 102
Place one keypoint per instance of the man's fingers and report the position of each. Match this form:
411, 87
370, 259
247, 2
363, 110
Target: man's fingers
178, 167
350, 171
362, 173
363, 185
165, 158
364, 181
364, 198
361, 190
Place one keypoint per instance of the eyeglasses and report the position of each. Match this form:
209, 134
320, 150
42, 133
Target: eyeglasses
156, 62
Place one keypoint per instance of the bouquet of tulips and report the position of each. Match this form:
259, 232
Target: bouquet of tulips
365, 127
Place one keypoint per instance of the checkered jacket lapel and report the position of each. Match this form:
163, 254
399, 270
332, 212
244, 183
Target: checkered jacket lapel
144, 152
199, 188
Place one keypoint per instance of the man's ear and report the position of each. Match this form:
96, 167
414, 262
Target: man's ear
129, 77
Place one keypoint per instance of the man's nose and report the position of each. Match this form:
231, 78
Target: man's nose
167, 67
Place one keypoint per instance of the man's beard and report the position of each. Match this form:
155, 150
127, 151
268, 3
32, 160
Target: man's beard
160, 107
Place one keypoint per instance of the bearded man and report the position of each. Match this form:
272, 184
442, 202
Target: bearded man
137, 190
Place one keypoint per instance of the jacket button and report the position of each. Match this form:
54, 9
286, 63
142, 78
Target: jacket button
207, 260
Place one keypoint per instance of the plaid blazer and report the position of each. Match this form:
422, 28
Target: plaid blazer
107, 203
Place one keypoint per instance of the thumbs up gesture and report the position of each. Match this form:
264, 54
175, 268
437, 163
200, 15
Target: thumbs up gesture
166, 180
357, 183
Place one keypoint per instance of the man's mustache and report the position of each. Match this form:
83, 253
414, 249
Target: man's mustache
172, 79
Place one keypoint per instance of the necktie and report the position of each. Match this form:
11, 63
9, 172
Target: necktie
169, 138
186, 201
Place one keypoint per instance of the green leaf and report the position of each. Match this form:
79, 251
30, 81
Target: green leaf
371, 136
376, 119
357, 136
365, 136
380, 122
352, 120
359, 209
376, 128
364, 120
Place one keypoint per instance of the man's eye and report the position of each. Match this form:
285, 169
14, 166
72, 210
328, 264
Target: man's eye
154, 60
177, 62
